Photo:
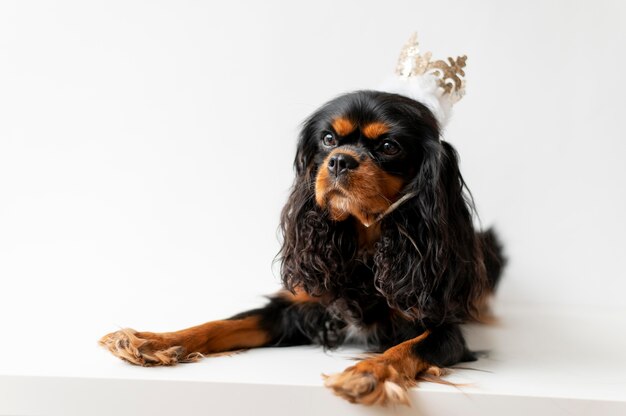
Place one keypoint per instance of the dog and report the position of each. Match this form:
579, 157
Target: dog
379, 248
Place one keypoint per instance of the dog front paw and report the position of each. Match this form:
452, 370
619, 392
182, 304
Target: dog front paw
145, 349
371, 382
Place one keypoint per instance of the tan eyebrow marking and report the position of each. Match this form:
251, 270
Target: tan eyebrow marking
375, 129
343, 126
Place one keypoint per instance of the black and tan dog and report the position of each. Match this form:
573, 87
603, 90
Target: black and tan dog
379, 248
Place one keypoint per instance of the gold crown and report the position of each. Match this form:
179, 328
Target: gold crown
449, 75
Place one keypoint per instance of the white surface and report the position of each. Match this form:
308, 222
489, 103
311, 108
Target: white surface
548, 361
146, 149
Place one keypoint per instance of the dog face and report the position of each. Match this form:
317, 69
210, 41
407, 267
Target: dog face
362, 149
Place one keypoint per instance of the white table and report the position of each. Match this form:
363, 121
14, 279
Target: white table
543, 361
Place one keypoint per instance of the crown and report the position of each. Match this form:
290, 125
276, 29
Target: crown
449, 74
436, 84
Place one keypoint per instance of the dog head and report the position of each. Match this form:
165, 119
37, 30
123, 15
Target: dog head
369, 158
362, 150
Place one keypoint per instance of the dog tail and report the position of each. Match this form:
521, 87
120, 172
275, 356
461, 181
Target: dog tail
493, 257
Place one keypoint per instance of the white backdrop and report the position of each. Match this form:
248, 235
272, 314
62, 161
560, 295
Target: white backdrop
146, 147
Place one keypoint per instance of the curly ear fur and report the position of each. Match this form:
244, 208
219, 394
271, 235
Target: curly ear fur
315, 249
429, 261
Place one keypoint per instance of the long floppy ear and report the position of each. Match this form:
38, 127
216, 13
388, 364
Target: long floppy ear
428, 262
315, 250
307, 147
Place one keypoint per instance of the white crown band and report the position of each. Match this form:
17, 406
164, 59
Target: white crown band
436, 84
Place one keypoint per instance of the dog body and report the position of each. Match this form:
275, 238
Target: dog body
379, 248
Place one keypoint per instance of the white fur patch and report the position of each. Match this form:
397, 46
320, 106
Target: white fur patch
395, 393
424, 89
358, 335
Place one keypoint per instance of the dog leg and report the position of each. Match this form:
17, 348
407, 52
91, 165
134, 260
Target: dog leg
287, 319
386, 378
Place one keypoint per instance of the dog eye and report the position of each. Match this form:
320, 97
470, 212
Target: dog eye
390, 148
329, 140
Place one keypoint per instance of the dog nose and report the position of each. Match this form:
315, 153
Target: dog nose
341, 163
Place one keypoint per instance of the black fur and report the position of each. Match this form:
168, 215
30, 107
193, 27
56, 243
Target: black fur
430, 268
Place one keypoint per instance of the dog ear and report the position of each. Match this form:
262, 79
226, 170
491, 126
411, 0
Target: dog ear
428, 257
306, 148
315, 251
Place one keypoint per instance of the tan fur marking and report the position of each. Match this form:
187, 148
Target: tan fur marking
300, 296
368, 236
343, 126
375, 129
367, 192
191, 344
325, 192
384, 379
